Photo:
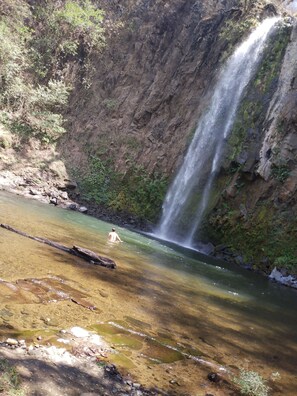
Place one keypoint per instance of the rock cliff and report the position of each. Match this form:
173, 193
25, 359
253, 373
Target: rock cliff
150, 86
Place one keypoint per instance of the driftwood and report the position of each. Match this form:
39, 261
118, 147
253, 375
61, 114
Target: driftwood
85, 254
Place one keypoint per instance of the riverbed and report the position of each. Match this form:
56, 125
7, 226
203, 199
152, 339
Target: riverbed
170, 314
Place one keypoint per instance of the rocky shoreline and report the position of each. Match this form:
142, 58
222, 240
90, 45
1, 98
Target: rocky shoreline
77, 368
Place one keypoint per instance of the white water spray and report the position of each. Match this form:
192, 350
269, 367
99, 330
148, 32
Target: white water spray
203, 158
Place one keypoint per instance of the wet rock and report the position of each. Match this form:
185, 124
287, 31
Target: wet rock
239, 260
72, 206
33, 191
83, 209
213, 377
206, 248
111, 370
70, 184
269, 10
277, 276
54, 201
64, 195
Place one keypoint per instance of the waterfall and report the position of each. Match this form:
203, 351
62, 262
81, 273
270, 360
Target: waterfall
182, 210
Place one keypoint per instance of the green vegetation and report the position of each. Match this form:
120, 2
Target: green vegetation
250, 116
234, 29
288, 260
265, 236
251, 383
9, 380
34, 50
69, 30
110, 104
280, 172
242, 20
135, 192
273, 59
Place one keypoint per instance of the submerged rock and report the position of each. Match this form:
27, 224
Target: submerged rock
277, 276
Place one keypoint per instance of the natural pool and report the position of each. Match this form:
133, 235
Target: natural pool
165, 310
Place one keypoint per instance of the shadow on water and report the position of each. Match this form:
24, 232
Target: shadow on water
209, 304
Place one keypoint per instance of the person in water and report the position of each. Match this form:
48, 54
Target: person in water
113, 236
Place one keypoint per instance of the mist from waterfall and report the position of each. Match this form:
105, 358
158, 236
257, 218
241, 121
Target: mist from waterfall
188, 195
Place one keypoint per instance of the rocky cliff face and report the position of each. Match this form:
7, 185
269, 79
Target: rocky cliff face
148, 89
256, 211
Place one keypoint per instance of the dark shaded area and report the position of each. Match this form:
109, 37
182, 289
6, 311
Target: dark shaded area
44, 378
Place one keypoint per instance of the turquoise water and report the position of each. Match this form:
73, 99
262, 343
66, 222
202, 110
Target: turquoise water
159, 294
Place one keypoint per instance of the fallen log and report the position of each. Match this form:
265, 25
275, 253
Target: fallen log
84, 254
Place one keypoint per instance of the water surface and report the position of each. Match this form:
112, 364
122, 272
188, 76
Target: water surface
161, 308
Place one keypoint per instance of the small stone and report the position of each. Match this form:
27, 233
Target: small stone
64, 195
72, 206
12, 341
213, 377
174, 382
39, 338
32, 191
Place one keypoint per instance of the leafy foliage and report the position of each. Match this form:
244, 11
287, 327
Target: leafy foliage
32, 89
251, 383
135, 192
84, 19
280, 172
287, 260
73, 29
9, 379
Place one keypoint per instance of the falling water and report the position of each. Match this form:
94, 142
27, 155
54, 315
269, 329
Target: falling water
202, 161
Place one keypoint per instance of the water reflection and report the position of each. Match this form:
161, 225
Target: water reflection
227, 314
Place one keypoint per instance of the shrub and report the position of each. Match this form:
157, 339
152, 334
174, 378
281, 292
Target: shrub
288, 261
33, 108
251, 383
81, 20
74, 29
135, 192
9, 380
280, 172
